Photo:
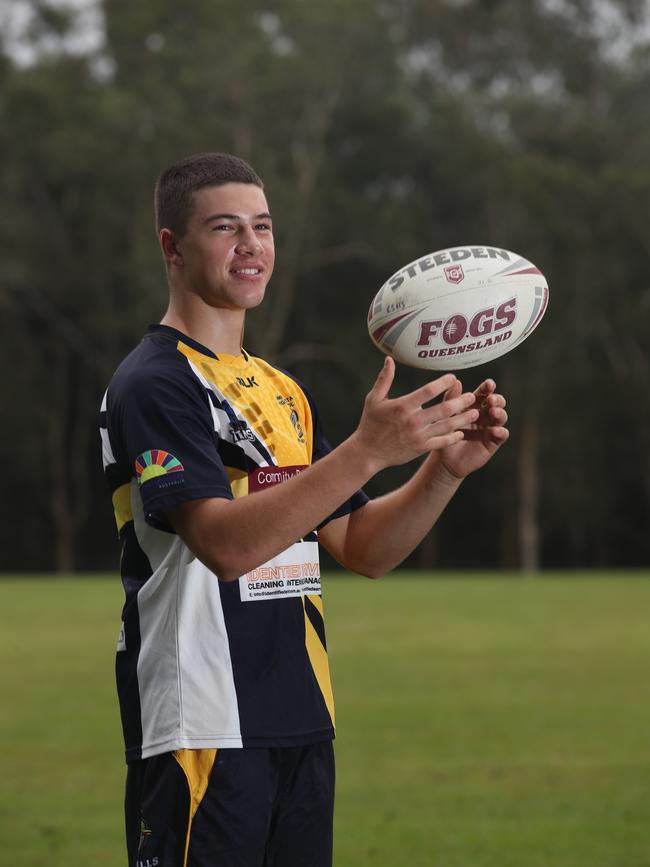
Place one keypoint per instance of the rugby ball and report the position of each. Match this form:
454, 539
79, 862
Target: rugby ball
458, 308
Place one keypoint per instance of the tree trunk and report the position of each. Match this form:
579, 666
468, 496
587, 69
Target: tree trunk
307, 156
529, 497
61, 511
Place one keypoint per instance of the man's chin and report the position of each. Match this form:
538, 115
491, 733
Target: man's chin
246, 301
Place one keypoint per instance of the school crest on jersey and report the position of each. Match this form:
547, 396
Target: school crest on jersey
290, 403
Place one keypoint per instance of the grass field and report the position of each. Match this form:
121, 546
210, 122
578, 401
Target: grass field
483, 722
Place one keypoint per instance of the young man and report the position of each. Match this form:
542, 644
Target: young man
219, 474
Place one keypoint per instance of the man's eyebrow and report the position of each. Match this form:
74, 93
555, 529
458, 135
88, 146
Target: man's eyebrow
213, 217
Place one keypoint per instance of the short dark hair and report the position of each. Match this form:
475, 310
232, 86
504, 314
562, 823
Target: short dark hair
177, 184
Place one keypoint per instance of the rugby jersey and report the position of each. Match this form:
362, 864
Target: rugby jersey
203, 663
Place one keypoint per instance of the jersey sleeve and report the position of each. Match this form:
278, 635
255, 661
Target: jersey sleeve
166, 435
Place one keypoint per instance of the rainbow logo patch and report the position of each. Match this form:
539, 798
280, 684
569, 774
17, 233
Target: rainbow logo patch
156, 462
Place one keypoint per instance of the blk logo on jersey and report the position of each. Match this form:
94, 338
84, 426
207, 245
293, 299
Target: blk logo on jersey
248, 382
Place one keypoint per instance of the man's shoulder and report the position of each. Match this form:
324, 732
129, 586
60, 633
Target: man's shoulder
153, 365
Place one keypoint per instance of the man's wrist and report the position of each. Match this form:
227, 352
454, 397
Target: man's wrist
439, 475
359, 458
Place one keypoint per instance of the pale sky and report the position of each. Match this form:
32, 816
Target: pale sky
15, 15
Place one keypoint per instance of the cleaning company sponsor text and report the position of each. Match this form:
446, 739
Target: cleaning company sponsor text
294, 572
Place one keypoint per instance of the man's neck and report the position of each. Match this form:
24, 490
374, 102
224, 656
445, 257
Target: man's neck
218, 329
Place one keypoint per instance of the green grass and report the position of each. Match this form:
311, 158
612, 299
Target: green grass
483, 722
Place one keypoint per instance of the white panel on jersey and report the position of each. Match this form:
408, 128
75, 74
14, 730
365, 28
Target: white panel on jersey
210, 707
107, 450
185, 676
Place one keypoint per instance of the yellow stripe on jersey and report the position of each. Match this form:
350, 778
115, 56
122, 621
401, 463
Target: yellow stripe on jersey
197, 766
319, 662
238, 482
122, 505
273, 404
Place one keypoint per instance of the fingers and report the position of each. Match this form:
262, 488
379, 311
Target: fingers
498, 417
439, 425
491, 425
487, 387
443, 441
488, 435
479, 415
430, 391
455, 390
490, 404
492, 409
461, 409
384, 380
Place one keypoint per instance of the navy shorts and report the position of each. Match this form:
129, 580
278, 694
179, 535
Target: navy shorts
232, 808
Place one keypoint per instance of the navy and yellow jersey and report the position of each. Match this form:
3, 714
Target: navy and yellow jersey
203, 663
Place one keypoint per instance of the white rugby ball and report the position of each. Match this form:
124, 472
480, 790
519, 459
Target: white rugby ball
458, 308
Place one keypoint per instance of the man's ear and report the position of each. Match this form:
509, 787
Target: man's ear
169, 247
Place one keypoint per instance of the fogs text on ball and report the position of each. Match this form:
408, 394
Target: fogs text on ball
458, 307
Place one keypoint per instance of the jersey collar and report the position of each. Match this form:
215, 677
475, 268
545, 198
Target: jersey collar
176, 335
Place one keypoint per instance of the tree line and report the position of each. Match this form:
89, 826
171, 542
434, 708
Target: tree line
383, 131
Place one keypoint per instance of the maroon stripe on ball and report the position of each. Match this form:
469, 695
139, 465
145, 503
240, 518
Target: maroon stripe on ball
386, 327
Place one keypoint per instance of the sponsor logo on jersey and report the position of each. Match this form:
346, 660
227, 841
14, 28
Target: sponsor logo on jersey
290, 403
248, 382
240, 431
294, 572
156, 462
266, 477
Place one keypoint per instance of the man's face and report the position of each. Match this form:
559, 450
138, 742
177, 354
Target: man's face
227, 252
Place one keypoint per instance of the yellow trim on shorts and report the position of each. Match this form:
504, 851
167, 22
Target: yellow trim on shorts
197, 766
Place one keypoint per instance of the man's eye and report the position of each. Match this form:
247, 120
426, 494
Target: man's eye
266, 227
221, 227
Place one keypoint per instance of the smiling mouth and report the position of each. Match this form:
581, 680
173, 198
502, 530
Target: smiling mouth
247, 272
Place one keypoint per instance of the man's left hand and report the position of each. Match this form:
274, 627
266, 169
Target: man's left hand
482, 439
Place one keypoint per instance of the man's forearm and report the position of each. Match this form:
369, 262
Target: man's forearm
234, 536
385, 531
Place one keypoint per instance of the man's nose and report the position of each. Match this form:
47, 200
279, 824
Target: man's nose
248, 241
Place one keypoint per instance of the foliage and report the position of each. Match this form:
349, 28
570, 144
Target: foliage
383, 130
